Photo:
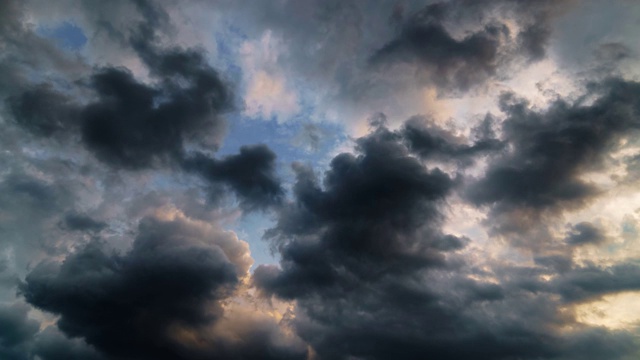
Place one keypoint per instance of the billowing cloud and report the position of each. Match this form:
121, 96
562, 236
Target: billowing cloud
332, 237
135, 126
454, 56
175, 276
434, 143
551, 150
374, 275
79, 222
251, 173
17, 329
447, 179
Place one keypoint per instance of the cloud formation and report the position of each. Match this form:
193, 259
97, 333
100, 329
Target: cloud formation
374, 276
136, 305
431, 38
552, 149
478, 199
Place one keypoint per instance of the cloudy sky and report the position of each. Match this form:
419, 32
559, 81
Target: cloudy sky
319, 179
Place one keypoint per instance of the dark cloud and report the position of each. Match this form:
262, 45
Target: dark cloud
367, 220
251, 174
613, 52
16, 326
43, 110
430, 39
16, 331
27, 191
134, 305
135, 125
432, 142
598, 343
124, 305
585, 233
589, 282
80, 222
125, 122
450, 62
549, 150
29, 204
51, 344
374, 276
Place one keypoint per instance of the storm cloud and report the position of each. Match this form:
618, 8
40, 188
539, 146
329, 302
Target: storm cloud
551, 150
251, 174
333, 237
319, 180
376, 277
137, 305
457, 58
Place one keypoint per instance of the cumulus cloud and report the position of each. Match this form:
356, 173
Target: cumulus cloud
176, 275
432, 142
251, 173
132, 124
550, 150
430, 39
374, 276
486, 210
368, 235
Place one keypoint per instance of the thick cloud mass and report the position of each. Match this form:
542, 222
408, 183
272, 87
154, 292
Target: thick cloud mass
135, 125
79, 222
134, 305
364, 223
434, 143
374, 277
251, 173
430, 39
552, 149
125, 305
16, 330
585, 233
43, 111
488, 211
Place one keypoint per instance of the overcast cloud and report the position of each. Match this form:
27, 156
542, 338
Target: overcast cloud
399, 179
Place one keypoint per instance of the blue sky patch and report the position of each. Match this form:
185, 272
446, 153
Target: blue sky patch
67, 35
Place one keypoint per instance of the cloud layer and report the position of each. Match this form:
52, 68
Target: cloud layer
481, 201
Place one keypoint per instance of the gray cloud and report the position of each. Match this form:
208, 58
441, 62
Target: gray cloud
550, 149
585, 233
251, 174
175, 276
454, 62
432, 142
100, 157
17, 330
374, 276
80, 222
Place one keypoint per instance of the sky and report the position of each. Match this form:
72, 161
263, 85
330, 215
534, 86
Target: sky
319, 179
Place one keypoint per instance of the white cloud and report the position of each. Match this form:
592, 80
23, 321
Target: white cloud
268, 94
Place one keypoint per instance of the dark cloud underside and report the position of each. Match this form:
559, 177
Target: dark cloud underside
430, 39
251, 174
374, 277
552, 149
131, 306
